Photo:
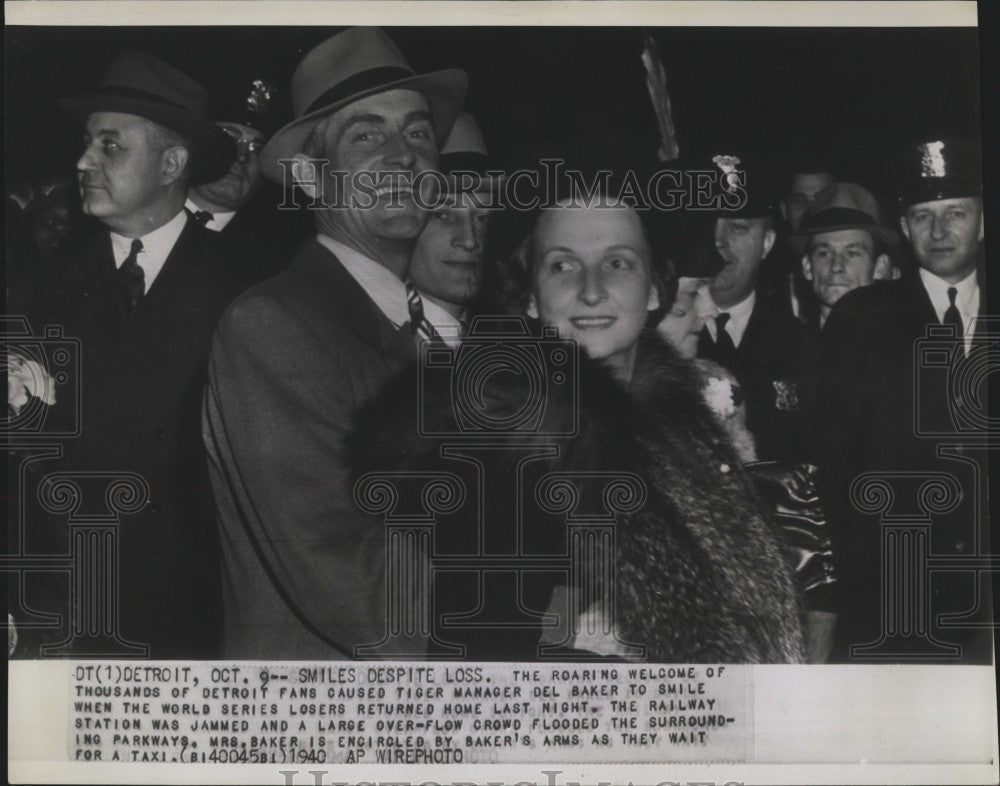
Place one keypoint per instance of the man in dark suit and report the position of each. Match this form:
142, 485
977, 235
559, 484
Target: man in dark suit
257, 239
879, 412
293, 358
142, 294
771, 353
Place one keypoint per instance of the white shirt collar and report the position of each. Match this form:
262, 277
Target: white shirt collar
966, 298
447, 326
739, 318
156, 247
218, 221
380, 283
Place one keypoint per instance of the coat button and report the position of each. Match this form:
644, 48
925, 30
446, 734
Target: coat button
960, 546
160, 435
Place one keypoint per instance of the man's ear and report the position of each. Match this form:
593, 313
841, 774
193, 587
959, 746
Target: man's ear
173, 162
769, 237
304, 175
807, 268
654, 298
906, 227
883, 268
532, 309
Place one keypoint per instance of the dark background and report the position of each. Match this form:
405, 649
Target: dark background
847, 97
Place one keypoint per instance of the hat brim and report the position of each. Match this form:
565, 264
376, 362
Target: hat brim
445, 92
800, 240
933, 189
213, 150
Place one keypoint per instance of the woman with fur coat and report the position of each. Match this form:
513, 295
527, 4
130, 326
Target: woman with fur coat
700, 574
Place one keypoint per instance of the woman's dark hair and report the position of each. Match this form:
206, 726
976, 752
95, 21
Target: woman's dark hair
515, 269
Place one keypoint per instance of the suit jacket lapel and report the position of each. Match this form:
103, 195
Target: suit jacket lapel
359, 310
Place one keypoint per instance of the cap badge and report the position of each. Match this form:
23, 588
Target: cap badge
932, 163
259, 97
728, 166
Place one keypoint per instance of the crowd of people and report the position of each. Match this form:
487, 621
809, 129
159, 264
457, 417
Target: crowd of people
744, 361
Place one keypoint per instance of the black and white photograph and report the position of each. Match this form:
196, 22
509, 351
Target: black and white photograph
463, 391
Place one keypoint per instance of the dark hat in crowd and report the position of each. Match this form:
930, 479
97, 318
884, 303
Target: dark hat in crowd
251, 105
464, 158
945, 168
733, 184
691, 247
137, 83
843, 206
355, 64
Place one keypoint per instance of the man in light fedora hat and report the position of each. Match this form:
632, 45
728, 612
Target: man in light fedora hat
845, 244
883, 401
142, 293
304, 569
448, 259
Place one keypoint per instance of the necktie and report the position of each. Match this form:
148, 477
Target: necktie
725, 348
951, 315
202, 217
421, 327
133, 279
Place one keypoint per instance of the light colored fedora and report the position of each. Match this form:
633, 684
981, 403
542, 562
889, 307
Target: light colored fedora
843, 206
354, 64
464, 155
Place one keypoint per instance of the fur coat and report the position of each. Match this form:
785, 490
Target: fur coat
701, 574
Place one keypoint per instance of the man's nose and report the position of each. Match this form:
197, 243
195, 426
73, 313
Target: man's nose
466, 234
592, 289
86, 160
938, 228
838, 263
398, 152
721, 239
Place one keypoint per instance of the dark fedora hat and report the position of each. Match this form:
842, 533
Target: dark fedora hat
843, 206
943, 168
137, 83
351, 65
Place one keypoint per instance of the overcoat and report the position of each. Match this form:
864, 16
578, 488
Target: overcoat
888, 408
293, 358
777, 364
700, 572
142, 378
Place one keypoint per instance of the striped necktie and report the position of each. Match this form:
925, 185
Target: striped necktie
419, 324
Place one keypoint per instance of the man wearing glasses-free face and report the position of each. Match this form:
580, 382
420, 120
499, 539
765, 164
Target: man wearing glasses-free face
252, 232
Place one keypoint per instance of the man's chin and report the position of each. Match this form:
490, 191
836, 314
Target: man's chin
404, 226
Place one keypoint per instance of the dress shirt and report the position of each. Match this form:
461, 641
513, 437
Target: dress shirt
382, 285
447, 326
966, 301
156, 247
219, 220
739, 317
